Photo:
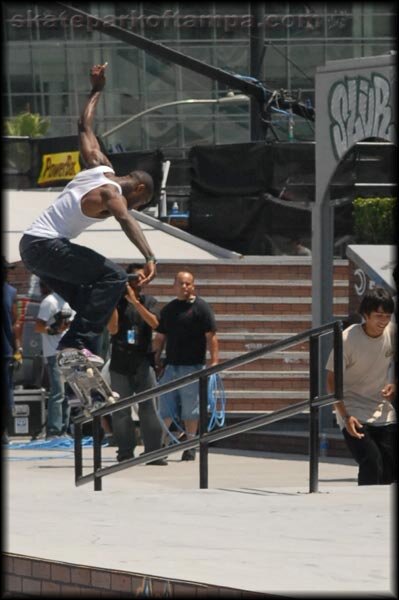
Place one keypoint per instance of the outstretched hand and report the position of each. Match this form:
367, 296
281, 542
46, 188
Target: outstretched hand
150, 271
97, 77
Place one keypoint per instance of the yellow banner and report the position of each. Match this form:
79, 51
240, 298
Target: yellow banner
59, 166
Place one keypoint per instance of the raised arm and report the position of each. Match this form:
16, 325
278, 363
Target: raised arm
88, 144
150, 318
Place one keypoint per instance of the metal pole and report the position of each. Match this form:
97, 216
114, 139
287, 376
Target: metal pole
224, 100
203, 424
314, 415
77, 442
338, 361
256, 50
97, 452
323, 282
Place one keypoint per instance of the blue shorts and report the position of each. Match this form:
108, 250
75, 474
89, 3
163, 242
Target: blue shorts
182, 403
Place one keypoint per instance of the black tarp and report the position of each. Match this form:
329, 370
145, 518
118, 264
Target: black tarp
244, 194
229, 188
151, 162
293, 168
235, 223
231, 169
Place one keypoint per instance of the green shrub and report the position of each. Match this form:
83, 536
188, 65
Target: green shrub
27, 123
374, 220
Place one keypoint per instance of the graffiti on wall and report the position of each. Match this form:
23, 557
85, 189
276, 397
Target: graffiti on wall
360, 108
165, 590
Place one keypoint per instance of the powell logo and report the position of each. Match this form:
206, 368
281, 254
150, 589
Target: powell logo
59, 166
359, 108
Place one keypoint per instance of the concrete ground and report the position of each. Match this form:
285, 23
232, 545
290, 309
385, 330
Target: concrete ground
256, 528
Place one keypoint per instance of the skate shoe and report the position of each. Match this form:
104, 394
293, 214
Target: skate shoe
96, 360
68, 355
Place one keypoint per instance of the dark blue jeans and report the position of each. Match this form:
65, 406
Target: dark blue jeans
89, 282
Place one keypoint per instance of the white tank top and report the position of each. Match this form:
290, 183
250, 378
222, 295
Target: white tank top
64, 218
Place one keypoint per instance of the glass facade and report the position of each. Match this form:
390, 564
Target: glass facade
48, 54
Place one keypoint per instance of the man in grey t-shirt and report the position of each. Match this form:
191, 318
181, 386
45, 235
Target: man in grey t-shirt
367, 416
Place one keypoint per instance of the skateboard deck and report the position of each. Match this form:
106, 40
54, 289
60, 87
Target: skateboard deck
85, 380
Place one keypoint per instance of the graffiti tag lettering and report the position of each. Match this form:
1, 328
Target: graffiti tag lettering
360, 108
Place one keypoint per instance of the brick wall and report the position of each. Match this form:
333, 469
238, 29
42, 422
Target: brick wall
25, 576
270, 267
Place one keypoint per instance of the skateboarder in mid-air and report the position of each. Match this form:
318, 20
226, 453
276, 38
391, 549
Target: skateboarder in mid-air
89, 282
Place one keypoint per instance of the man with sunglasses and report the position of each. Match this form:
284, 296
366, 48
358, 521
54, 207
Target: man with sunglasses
89, 282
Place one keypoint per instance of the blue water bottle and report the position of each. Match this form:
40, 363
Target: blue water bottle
323, 444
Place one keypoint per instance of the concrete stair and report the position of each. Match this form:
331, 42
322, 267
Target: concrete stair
260, 305
257, 302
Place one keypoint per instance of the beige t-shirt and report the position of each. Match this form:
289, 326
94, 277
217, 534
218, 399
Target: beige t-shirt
368, 367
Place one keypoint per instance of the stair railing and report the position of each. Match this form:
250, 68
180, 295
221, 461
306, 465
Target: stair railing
205, 438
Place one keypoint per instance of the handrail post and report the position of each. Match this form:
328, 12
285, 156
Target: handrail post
203, 425
97, 452
206, 438
313, 415
338, 361
77, 442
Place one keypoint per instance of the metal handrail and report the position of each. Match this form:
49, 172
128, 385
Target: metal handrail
205, 438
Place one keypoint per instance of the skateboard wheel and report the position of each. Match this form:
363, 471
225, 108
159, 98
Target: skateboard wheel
111, 399
97, 405
90, 372
86, 412
116, 395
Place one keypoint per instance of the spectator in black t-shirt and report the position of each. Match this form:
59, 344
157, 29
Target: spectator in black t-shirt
187, 327
131, 366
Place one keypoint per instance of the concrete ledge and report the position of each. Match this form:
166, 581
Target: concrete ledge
258, 300
258, 260
256, 528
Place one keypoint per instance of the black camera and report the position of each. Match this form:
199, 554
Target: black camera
60, 320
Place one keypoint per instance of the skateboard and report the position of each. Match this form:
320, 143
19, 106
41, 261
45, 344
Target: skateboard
85, 380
